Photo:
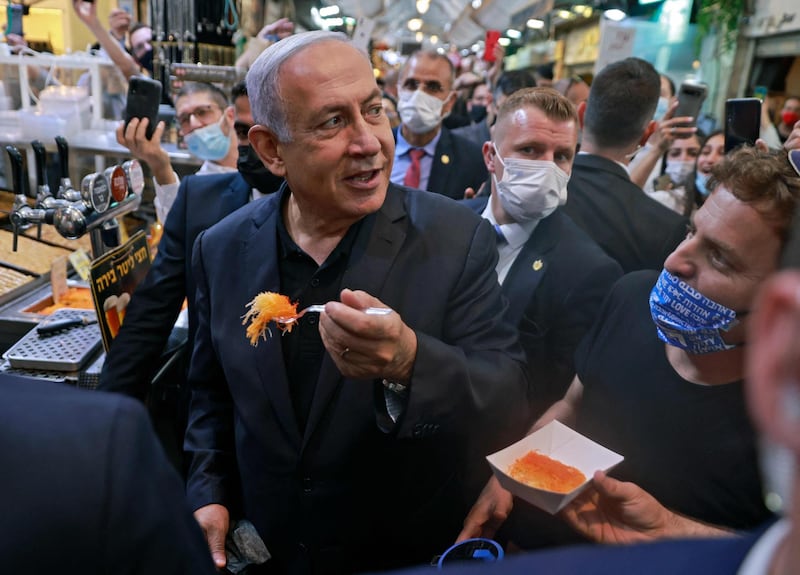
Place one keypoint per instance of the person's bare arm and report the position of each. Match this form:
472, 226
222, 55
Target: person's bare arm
87, 13
668, 129
563, 410
612, 511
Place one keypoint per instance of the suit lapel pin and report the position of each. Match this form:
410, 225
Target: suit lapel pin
445, 159
537, 265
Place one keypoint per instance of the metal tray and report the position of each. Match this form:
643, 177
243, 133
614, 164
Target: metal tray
67, 350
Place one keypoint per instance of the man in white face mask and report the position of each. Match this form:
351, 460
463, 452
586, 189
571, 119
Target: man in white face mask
553, 274
427, 155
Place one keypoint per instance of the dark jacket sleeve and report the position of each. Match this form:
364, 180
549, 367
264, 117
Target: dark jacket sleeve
149, 527
134, 355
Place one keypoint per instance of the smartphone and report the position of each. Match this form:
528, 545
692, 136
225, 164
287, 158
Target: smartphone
742, 122
14, 14
144, 96
691, 96
492, 36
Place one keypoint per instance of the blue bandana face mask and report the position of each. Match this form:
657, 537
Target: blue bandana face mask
208, 142
687, 319
700, 181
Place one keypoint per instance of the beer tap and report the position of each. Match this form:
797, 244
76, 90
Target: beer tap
65, 190
22, 214
44, 198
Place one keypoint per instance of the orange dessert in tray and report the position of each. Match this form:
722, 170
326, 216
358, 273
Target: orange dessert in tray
264, 308
543, 472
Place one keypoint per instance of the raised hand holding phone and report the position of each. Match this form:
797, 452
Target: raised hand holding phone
144, 96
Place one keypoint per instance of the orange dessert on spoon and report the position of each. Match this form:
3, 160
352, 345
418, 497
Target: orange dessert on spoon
264, 308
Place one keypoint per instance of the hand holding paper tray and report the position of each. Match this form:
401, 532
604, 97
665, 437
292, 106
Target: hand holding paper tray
561, 443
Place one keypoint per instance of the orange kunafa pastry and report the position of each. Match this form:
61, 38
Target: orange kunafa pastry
543, 472
264, 308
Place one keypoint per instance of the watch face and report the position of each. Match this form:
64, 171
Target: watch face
135, 176
99, 194
118, 182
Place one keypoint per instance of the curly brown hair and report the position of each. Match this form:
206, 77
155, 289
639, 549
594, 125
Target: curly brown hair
765, 180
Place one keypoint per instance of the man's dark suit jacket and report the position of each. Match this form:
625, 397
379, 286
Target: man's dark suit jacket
88, 489
202, 201
631, 227
477, 133
354, 491
555, 289
716, 556
457, 165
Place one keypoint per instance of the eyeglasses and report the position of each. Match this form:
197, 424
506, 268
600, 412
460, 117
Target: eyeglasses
431, 86
204, 115
241, 129
794, 159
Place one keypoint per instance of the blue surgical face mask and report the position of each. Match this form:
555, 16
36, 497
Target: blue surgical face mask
209, 142
661, 108
687, 319
700, 182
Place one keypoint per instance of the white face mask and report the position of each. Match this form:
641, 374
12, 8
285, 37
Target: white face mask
679, 172
419, 112
530, 190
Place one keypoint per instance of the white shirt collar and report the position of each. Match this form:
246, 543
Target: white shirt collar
760, 556
516, 234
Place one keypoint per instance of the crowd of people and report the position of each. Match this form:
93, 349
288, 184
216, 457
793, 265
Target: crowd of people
531, 276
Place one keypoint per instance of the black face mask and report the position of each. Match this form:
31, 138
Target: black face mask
477, 113
255, 173
146, 61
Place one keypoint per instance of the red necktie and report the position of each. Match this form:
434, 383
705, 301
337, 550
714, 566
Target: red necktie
413, 172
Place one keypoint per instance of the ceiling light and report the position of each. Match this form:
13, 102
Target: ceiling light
535, 24
434, 39
419, 37
504, 42
515, 34
565, 14
476, 4
615, 14
328, 11
423, 5
415, 24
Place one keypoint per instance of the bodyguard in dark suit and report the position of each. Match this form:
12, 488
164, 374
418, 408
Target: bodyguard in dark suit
554, 276
428, 156
631, 227
88, 489
343, 440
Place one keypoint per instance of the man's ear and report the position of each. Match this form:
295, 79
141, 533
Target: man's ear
488, 156
266, 145
581, 112
648, 131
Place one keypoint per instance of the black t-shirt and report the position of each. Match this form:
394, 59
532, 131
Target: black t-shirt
691, 446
